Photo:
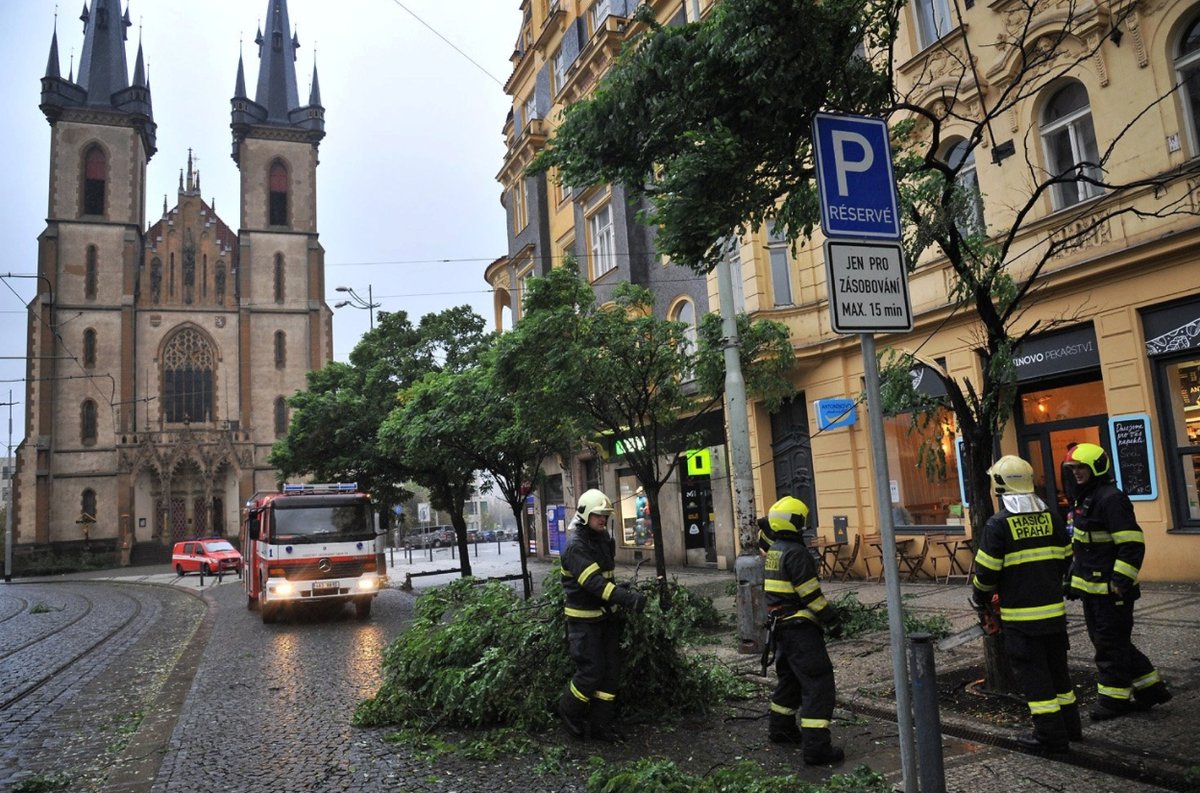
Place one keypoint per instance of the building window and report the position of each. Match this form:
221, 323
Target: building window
91, 276
279, 294
602, 241
281, 417
280, 349
933, 20
95, 179
156, 280
520, 209
87, 503
89, 348
600, 11
968, 205
530, 110
279, 195
1187, 68
558, 63
781, 275
188, 365
87, 423
685, 312
923, 460
1070, 144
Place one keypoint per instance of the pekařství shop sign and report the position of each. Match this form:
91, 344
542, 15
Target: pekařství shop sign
1060, 352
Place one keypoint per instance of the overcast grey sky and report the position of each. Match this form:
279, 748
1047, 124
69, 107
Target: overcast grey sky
408, 203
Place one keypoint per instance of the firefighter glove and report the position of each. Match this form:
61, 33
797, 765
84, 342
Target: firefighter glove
629, 598
1069, 592
1119, 587
835, 626
980, 598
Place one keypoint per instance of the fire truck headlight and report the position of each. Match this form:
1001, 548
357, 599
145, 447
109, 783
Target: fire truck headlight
285, 588
368, 583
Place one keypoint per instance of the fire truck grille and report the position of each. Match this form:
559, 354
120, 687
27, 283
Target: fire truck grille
310, 572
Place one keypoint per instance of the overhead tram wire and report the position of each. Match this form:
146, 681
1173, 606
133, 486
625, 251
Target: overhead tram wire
452, 45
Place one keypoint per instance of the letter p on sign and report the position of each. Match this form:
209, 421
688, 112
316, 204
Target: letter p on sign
842, 164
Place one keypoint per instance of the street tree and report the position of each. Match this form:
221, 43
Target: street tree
633, 378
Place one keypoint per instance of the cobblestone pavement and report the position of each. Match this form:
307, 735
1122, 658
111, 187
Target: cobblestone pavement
270, 706
68, 708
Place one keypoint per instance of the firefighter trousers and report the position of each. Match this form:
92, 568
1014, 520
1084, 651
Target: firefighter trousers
595, 647
1040, 663
805, 681
1122, 670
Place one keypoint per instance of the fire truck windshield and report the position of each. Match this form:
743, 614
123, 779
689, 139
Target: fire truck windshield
316, 520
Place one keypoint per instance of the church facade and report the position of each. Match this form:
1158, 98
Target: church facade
161, 354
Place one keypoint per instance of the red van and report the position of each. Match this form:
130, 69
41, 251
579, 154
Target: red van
206, 556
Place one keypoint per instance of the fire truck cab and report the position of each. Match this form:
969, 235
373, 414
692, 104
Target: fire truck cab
311, 543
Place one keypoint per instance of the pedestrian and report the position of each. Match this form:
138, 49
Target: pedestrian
1023, 558
593, 601
800, 617
1108, 550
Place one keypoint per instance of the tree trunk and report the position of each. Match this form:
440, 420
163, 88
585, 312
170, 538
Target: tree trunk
522, 546
660, 560
460, 534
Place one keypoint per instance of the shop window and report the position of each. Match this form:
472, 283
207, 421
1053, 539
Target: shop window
1069, 140
1063, 403
1180, 386
633, 513
923, 462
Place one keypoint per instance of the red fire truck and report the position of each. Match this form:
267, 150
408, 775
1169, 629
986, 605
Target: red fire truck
311, 543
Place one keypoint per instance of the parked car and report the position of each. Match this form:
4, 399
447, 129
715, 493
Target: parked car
207, 556
435, 537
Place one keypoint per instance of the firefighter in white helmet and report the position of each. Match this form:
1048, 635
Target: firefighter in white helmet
593, 601
1022, 556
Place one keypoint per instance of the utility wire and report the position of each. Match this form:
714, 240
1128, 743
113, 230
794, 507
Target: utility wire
453, 46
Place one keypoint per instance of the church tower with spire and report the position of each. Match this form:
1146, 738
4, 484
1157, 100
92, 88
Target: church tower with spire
162, 353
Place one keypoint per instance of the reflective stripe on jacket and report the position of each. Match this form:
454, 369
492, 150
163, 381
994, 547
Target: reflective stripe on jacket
790, 581
1108, 541
587, 571
1023, 556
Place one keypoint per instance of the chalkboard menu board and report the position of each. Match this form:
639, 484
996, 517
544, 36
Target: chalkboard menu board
1133, 456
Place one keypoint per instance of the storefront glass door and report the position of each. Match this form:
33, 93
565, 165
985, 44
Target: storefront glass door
1049, 421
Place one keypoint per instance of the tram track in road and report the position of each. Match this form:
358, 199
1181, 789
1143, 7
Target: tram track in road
61, 649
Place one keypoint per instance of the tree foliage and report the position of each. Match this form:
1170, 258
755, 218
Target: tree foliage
710, 120
627, 375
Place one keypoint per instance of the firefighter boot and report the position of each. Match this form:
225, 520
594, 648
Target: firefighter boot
574, 714
600, 721
1147, 698
1070, 715
1107, 708
782, 729
818, 749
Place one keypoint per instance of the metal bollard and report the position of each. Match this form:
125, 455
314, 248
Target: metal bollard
930, 770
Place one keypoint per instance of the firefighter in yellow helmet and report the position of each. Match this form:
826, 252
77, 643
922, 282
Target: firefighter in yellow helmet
1022, 556
1109, 547
801, 617
593, 632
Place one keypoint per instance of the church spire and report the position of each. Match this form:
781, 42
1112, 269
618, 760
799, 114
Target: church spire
239, 89
314, 94
139, 68
277, 68
52, 67
103, 70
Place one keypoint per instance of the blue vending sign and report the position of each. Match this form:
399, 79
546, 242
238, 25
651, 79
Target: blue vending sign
855, 178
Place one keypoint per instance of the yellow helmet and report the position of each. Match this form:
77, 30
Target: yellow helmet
1093, 456
1011, 474
788, 514
593, 501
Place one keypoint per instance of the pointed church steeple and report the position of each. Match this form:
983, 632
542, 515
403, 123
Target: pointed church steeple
139, 69
239, 89
52, 69
314, 94
277, 70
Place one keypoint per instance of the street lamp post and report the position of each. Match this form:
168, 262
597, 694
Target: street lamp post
355, 301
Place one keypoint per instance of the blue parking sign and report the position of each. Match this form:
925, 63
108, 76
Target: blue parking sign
855, 178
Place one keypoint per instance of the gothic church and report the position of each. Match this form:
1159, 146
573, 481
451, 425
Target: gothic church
161, 354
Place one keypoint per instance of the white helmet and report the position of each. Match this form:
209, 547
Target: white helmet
1011, 474
593, 501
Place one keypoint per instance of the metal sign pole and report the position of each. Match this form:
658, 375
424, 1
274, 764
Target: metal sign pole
891, 570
